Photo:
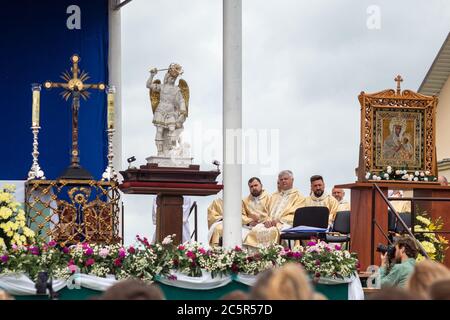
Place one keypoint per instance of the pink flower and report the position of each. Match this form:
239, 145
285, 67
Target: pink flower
89, 262
73, 268
337, 247
14, 247
34, 250
89, 251
122, 253
65, 250
71, 262
202, 251
117, 262
103, 252
52, 243
191, 255
85, 245
311, 243
297, 255
131, 250
181, 248
238, 249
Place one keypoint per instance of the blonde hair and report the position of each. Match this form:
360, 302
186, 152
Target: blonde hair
5, 296
425, 274
289, 282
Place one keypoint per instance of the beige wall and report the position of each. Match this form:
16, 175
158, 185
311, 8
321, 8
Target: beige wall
443, 123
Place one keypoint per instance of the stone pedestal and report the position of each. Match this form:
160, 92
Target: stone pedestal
170, 162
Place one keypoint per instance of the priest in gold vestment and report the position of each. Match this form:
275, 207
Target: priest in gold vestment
215, 225
254, 211
319, 198
399, 206
339, 195
281, 208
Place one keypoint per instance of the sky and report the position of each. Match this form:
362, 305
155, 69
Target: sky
304, 64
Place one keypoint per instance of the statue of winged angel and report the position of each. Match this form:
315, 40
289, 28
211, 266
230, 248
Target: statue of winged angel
170, 106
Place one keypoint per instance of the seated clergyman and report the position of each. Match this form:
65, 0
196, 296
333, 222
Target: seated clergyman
319, 198
399, 206
254, 211
281, 208
339, 195
215, 221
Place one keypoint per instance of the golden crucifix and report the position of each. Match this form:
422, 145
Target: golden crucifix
75, 86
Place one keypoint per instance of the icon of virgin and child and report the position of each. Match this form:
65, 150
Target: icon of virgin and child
398, 144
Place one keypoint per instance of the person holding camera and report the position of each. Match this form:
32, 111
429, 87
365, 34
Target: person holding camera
397, 262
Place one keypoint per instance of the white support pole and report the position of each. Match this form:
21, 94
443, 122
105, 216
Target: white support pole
115, 78
232, 122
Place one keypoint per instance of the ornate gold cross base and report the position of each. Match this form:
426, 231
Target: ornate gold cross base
73, 211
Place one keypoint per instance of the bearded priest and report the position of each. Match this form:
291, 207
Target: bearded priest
319, 198
254, 211
282, 206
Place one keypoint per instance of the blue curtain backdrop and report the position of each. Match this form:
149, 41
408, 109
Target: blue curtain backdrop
36, 45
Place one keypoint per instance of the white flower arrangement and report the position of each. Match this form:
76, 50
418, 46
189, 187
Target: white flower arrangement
400, 174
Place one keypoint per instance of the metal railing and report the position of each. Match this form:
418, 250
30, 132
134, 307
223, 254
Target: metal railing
194, 208
376, 188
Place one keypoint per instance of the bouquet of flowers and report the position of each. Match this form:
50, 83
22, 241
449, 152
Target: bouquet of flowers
98, 260
144, 261
13, 229
216, 260
401, 174
435, 246
186, 258
254, 261
33, 259
328, 260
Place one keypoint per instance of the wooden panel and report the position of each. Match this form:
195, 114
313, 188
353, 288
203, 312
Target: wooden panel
395, 185
169, 217
362, 228
381, 217
361, 225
